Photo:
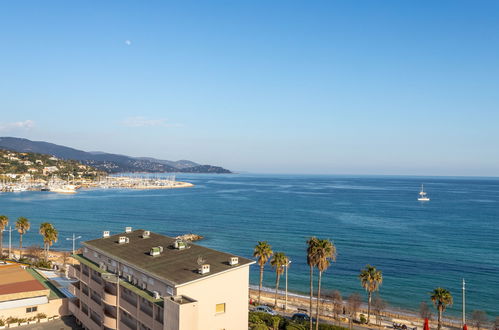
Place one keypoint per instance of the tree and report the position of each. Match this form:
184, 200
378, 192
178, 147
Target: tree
337, 302
353, 303
379, 305
22, 226
4, 221
312, 262
51, 236
441, 298
325, 253
278, 262
478, 318
263, 252
424, 310
370, 279
44, 227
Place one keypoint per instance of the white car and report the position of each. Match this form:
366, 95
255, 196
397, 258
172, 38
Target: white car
265, 309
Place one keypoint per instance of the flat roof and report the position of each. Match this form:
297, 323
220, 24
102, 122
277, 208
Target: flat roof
17, 283
173, 265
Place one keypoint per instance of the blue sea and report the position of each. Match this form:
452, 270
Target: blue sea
372, 220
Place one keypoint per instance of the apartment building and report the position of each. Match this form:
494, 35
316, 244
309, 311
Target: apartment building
22, 294
143, 280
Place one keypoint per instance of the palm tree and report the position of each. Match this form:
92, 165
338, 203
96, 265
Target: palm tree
22, 226
50, 237
4, 221
312, 262
370, 279
45, 228
325, 253
278, 262
441, 299
263, 252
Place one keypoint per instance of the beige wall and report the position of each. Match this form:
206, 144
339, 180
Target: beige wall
54, 307
230, 288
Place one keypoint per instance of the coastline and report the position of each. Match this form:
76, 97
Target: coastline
299, 303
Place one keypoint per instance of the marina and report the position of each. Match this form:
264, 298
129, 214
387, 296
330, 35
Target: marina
58, 185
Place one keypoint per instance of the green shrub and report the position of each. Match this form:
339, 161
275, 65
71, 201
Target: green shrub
41, 316
271, 321
259, 327
363, 319
324, 326
43, 264
295, 326
254, 318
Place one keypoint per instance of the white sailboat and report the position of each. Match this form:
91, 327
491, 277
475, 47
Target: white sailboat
423, 197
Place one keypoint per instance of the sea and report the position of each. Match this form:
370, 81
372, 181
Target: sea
374, 220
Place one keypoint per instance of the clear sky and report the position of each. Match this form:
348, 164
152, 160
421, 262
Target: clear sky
367, 87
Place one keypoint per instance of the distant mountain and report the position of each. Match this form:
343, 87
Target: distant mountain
111, 163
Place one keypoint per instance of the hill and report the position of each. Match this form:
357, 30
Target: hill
39, 166
110, 163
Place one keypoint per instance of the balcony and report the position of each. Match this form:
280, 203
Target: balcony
109, 298
109, 321
74, 305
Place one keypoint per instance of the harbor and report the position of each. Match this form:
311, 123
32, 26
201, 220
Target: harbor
59, 185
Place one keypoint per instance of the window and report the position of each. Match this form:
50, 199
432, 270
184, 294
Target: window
31, 309
169, 290
220, 308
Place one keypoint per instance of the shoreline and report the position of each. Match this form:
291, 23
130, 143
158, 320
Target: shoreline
298, 302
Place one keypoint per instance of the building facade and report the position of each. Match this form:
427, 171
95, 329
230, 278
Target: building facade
24, 296
142, 280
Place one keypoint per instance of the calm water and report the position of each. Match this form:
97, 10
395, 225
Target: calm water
375, 220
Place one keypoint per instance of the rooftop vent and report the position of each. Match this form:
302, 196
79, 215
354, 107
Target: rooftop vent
205, 269
123, 240
179, 244
233, 261
105, 233
128, 229
156, 251
146, 234
156, 294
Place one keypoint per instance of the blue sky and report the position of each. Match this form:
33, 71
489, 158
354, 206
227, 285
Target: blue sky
365, 87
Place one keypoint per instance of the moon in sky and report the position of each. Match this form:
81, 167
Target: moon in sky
128, 42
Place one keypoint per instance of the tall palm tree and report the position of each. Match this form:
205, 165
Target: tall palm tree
441, 299
263, 252
45, 227
370, 279
4, 221
22, 226
50, 237
312, 262
325, 253
278, 262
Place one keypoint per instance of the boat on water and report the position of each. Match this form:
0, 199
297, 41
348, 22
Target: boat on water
64, 189
423, 197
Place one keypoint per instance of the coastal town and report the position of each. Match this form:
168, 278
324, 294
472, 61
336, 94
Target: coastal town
21, 171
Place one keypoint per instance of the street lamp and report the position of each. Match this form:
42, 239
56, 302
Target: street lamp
286, 297
10, 240
74, 240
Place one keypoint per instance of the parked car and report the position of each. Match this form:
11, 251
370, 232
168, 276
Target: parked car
300, 317
265, 309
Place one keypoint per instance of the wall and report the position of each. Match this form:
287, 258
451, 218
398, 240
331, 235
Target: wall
54, 307
230, 288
